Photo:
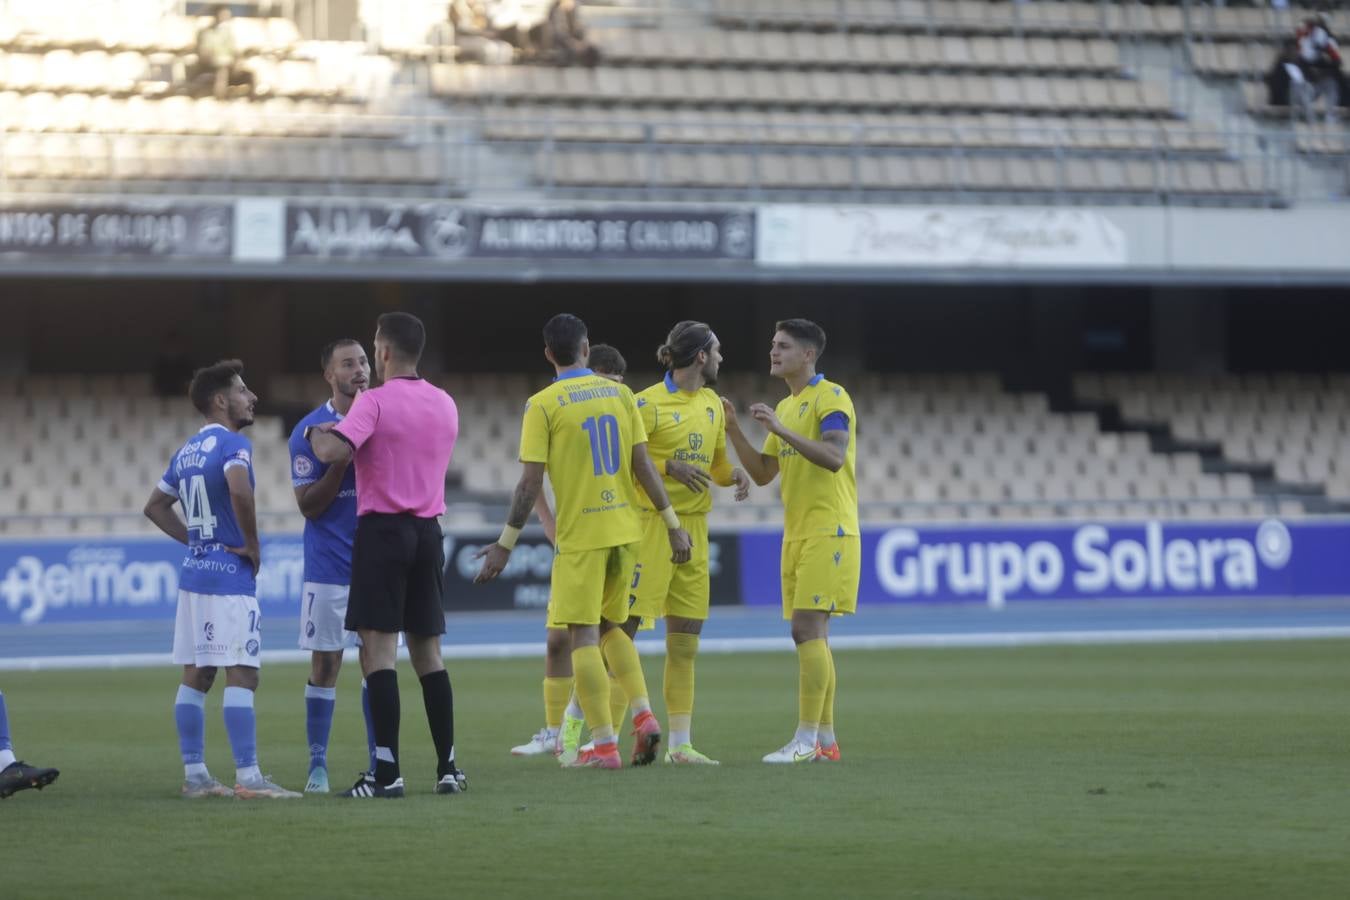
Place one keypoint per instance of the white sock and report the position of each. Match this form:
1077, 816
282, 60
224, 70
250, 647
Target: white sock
550, 732
574, 708
248, 775
679, 730
826, 735
806, 734
7, 758
195, 772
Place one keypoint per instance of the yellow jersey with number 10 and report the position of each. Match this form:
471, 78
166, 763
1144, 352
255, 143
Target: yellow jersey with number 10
816, 501
583, 428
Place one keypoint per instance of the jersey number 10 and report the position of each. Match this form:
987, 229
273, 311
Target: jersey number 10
605, 449
197, 506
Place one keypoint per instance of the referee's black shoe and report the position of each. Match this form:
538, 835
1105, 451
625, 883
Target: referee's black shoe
366, 788
452, 782
19, 776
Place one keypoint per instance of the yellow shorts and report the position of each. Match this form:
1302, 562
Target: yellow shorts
589, 584
822, 573
661, 588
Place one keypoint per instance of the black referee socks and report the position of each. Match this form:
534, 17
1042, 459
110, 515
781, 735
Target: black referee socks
440, 703
382, 687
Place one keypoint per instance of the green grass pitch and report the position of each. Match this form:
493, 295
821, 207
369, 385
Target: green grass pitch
1188, 770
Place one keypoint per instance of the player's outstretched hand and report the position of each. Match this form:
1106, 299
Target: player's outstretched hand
742, 482
764, 415
681, 545
494, 558
689, 475
252, 554
729, 411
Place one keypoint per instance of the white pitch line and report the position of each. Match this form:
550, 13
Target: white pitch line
759, 645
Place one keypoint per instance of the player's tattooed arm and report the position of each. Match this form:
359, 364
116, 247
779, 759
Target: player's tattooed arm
528, 489
761, 467
159, 509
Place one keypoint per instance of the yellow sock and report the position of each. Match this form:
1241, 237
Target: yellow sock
827, 711
592, 687
622, 657
618, 703
681, 650
813, 658
557, 691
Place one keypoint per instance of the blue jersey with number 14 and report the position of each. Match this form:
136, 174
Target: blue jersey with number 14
196, 476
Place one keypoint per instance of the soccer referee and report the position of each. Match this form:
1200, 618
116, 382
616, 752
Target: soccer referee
401, 435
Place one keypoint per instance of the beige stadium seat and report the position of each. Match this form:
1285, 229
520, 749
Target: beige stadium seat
22, 71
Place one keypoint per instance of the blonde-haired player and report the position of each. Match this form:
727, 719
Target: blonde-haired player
812, 442
686, 437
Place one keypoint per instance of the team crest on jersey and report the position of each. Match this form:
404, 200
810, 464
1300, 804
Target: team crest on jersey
801, 410
677, 417
837, 390
251, 647
695, 441
712, 416
209, 444
209, 631
302, 467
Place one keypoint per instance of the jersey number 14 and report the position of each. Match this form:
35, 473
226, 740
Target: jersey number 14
197, 506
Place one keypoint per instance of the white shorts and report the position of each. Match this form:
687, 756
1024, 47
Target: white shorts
217, 630
322, 613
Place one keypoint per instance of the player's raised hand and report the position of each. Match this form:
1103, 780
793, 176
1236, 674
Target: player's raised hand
729, 411
742, 482
494, 558
763, 414
681, 545
689, 475
252, 554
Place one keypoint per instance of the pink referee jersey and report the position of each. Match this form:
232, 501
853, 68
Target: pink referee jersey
403, 432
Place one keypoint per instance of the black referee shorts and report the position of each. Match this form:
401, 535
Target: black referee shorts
397, 571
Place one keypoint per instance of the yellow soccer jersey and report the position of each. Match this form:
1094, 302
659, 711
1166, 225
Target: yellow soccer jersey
691, 428
816, 501
583, 428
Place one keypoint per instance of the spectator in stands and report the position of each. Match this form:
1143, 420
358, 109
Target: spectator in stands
1285, 84
218, 57
1321, 57
566, 36
475, 39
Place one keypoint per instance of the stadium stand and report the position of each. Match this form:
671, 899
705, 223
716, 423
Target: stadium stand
875, 99
80, 453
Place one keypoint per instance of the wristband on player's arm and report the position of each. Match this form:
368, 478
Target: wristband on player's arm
668, 516
508, 539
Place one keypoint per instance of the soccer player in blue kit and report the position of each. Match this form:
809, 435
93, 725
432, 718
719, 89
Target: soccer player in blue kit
326, 495
217, 625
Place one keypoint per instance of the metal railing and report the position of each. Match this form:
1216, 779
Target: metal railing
665, 155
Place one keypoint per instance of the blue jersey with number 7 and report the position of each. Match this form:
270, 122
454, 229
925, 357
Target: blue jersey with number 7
196, 476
